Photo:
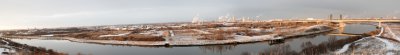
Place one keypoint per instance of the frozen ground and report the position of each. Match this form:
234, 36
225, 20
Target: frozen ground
371, 46
392, 31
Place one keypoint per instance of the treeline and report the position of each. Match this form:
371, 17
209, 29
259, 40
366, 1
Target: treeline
130, 37
226, 34
44, 32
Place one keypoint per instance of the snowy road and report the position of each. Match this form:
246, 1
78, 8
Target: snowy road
392, 32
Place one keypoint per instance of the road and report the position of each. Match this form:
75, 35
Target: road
392, 31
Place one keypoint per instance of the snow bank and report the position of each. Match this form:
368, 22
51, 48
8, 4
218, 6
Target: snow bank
123, 34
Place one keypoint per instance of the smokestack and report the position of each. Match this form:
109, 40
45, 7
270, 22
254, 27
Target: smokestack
331, 17
196, 19
341, 17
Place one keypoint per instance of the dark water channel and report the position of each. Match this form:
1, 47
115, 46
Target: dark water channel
310, 44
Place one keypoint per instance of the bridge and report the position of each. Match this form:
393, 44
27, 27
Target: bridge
342, 23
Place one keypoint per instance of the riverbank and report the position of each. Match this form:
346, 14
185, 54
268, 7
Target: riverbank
235, 40
371, 45
14, 48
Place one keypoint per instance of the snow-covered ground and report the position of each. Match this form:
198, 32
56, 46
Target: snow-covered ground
201, 31
344, 49
6, 48
392, 33
371, 45
109, 35
375, 45
49, 35
228, 28
153, 33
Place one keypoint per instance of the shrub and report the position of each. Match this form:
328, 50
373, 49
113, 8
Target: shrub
215, 37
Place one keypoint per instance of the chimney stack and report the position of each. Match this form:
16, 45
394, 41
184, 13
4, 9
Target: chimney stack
341, 17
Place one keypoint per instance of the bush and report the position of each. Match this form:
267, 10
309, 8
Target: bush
139, 37
215, 37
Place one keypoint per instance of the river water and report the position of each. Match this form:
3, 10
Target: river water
310, 44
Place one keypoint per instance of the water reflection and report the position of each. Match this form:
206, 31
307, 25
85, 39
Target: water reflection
217, 48
309, 48
310, 44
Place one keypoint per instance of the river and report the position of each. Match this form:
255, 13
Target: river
310, 44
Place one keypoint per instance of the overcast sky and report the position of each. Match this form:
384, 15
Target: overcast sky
17, 14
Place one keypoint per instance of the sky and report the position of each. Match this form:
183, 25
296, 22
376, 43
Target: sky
23, 14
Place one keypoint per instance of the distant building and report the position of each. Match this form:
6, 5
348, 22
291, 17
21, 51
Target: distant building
246, 19
310, 19
232, 19
221, 19
229, 18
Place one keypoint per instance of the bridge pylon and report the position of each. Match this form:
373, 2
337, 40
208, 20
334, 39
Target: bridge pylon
341, 17
341, 27
379, 22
